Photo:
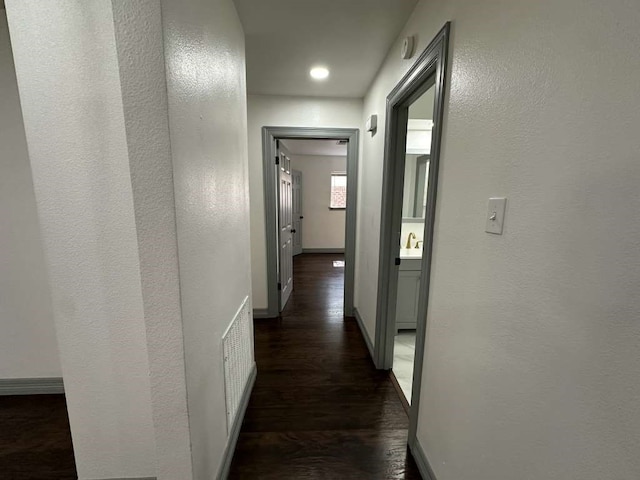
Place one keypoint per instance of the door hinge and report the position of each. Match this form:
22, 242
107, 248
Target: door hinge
277, 160
397, 261
277, 143
279, 286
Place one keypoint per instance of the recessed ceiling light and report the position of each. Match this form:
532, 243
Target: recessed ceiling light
319, 73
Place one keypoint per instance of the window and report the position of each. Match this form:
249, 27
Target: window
338, 190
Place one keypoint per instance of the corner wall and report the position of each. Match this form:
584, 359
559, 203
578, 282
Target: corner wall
531, 367
263, 111
71, 97
136, 125
140, 48
28, 346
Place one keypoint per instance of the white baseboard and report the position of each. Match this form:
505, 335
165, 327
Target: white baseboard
367, 340
223, 473
421, 460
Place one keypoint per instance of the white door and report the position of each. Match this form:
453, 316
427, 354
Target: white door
296, 177
285, 224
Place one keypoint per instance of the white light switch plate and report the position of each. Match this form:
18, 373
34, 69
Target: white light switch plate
495, 215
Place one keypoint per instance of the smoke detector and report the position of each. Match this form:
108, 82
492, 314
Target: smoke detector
407, 48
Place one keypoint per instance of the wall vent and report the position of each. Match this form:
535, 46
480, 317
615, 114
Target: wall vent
237, 349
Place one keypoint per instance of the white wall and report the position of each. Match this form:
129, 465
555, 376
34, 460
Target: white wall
321, 227
140, 47
532, 362
67, 70
204, 51
264, 110
119, 197
28, 346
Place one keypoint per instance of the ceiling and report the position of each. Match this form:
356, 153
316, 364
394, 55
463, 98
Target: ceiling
285, 38
316, 147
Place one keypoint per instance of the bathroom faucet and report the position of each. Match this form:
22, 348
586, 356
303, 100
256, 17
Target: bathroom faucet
418, 243
411, 236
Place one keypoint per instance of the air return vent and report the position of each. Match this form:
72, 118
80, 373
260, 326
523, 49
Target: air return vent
237, 348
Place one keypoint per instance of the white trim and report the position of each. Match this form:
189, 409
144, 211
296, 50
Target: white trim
365, 335
426, 472
230, 449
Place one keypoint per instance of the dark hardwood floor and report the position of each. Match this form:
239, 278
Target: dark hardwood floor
319, 408
35, 438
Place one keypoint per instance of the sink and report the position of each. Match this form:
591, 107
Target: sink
408, 253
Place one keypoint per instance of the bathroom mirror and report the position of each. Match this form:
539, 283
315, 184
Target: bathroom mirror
417, 157
415, 184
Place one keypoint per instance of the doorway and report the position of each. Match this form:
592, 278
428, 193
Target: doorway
311, 215
319, 194
286, 237
417, 160
409, 191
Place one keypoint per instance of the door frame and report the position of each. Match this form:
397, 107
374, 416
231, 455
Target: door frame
432, 63
269, 137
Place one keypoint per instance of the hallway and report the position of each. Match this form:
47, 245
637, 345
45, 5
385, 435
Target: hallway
319, 408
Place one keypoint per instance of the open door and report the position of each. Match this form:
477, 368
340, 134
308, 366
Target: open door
285, 225
297, 212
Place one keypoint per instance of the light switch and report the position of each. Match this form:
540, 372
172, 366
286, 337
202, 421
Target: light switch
495, 215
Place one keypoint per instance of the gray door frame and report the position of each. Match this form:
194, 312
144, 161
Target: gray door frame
429, 69
269, 137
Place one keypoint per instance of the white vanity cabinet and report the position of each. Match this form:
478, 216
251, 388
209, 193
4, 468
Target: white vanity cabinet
408, 293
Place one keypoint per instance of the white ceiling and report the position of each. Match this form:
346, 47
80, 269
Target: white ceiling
315, 147
285, 38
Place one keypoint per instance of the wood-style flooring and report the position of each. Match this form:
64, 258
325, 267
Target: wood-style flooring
319, 408
35, 438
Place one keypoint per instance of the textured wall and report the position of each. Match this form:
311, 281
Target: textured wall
67, 70
204, 52
139, 42
265, 110
532, 362
28, 346
321, 227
